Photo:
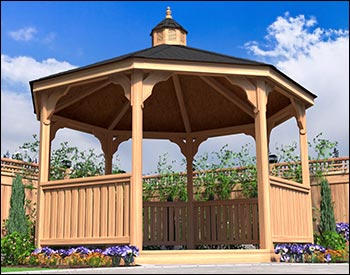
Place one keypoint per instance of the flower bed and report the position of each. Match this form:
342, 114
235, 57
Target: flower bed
83, 257
316, 253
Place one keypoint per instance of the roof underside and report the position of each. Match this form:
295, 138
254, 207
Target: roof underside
205, 107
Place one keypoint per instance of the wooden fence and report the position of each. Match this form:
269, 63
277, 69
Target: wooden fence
9, 169
215, 222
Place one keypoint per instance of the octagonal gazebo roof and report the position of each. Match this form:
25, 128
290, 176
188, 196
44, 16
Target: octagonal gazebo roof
198, 91
211, 99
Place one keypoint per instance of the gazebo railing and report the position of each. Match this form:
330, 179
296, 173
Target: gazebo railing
93, 210
215, 222
290, 206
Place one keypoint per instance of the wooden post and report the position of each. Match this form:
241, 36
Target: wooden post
108, 153
189, 148
108, 164
300, 116
109, 145
44, 166
262, 163
136, 174
304, 156
189, 166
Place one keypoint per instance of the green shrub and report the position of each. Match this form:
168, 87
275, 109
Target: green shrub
327, 220
15, 247
17, 221
331, 240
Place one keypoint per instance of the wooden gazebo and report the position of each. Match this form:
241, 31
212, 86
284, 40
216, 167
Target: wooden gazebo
175, 92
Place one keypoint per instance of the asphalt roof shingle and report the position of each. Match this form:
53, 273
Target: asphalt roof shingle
170, 52
168, 23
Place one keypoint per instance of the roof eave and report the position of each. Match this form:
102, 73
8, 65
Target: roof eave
103, 70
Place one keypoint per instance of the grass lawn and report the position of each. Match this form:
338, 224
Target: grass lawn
18, 269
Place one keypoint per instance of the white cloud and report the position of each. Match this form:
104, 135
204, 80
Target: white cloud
24, 34
22, 69
319, 60
291, 37
18, 122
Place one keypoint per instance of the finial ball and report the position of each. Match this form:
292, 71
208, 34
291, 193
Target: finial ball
168, 13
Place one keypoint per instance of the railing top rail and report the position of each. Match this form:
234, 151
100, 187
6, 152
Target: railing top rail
103, 178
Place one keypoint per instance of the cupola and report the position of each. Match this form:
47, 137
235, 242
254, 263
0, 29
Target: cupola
169, 32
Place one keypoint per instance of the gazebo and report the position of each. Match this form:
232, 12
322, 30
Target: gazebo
174, 92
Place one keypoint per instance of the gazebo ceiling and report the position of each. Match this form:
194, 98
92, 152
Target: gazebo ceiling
206, 108
197, 92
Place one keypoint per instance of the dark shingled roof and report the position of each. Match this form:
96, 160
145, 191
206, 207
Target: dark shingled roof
168, 23
177, 53
170, 52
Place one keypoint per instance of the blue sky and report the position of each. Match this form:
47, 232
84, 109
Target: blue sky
86, 32
308, 41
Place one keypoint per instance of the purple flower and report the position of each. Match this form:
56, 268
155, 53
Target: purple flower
285, 258
343, 228
70, 251
48, 251
82, 250
62, 252
327, 258
36, 251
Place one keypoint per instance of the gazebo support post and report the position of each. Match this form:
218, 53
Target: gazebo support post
300, 115
263, 167
109, 145
136, 174
189, 148
189, 166
44, 165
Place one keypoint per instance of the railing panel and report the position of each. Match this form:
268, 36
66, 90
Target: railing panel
291, 217
86, 211
165, 223
215, 222
227, 222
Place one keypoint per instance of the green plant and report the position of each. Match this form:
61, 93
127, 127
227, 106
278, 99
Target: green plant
331, 240
323, 149
327, 220
288, 154
19, 227
15, 247
83, 164
225, 183
17, 220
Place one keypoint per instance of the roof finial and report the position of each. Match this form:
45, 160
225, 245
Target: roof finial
168, 13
